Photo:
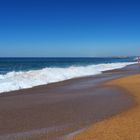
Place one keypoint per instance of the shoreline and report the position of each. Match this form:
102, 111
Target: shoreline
14, 81
124, 125
59, 109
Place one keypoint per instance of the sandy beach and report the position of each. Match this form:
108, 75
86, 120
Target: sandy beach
59, 110
124, 126
69, 70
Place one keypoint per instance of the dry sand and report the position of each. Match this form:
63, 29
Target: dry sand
124, 126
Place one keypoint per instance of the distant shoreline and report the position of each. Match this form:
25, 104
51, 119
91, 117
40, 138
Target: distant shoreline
69, 57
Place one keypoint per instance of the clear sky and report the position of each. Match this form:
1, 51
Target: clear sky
67, 28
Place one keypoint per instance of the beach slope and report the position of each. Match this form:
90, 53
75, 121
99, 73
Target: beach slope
124, 126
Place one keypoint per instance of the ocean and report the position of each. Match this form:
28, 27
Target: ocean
22, 73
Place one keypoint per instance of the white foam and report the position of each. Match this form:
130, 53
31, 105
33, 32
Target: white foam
21, 80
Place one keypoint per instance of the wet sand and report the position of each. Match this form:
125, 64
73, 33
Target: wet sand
57, 110
124, 126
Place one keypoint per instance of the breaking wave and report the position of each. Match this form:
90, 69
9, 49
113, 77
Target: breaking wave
21, 80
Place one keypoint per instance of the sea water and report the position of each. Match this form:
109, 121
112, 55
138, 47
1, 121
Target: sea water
22, 73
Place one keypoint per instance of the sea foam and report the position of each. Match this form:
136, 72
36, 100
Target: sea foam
21, 80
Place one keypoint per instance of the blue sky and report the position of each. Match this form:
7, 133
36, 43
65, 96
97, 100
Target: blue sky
67, 28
